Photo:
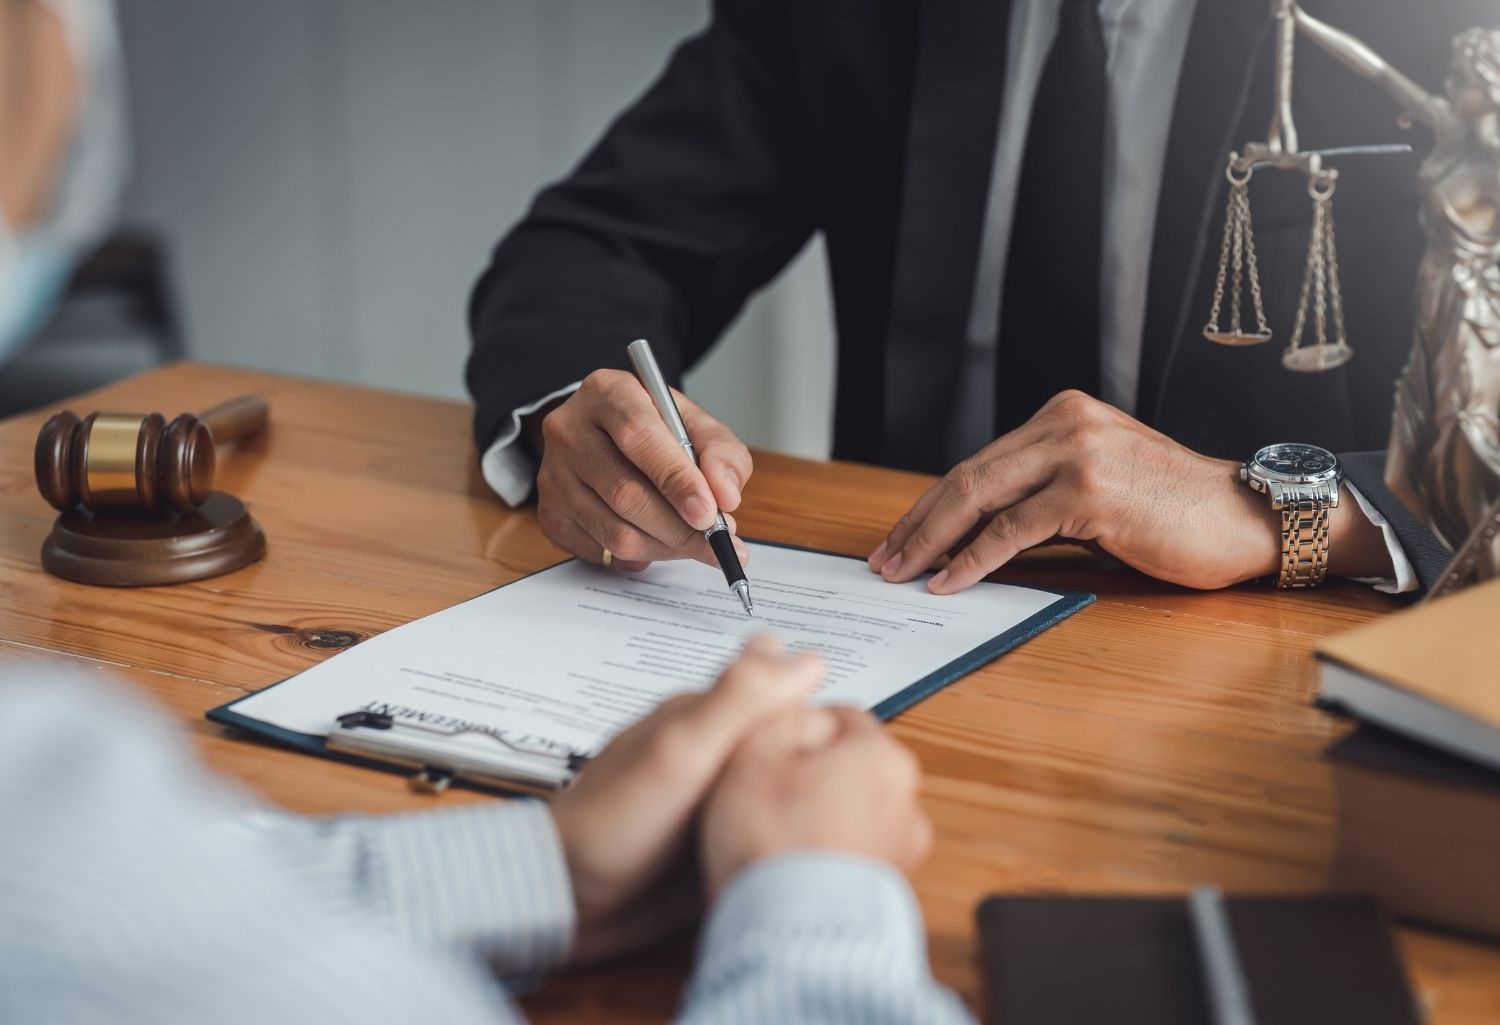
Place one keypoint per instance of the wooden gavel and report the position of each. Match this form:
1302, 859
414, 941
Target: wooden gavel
126, 462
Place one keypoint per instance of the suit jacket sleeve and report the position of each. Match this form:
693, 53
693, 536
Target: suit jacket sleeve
1366, 471
693, 199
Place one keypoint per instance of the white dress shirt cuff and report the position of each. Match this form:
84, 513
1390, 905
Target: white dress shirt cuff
506, 465
489, 878
1406, 575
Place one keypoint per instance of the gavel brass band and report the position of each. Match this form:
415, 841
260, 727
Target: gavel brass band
111, 451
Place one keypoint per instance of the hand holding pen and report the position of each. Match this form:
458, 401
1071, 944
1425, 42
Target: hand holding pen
718, 535
614, 479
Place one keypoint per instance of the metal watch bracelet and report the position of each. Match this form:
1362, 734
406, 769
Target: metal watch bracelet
1304, 542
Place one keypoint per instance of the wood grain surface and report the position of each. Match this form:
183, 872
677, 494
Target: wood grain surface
1158, 739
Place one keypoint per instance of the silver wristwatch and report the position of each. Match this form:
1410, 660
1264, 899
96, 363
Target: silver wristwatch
1302, 482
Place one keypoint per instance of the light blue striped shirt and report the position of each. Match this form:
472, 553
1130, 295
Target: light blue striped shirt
135, 886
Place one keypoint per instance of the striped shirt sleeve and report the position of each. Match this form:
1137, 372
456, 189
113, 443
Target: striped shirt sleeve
128, 892
489, 878
817, 936
135, 887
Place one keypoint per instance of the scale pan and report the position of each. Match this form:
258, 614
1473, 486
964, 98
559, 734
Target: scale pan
1237, 337
1309, 359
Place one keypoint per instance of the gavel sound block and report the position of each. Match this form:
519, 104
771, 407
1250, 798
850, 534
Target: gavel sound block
137, 499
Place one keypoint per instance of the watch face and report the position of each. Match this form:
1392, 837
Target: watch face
1293, 460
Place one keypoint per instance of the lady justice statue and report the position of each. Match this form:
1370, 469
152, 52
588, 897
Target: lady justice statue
1444, 453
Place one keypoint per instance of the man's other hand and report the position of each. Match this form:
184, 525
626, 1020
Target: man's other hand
829, 779
613, 477
1082, 470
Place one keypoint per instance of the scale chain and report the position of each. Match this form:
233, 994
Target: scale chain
1320, 273
1334, 291
1260, 310
1237, 259
1237, 201
1213, 314
1307, 276
1320, 290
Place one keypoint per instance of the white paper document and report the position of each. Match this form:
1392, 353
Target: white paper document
570, 656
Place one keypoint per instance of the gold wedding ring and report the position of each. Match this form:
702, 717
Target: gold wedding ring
609, 559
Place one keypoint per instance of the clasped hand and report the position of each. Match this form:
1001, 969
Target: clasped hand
762, 772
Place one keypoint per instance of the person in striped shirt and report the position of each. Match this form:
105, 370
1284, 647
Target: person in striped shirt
137, 887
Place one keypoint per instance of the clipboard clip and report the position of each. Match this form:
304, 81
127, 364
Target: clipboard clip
429, 778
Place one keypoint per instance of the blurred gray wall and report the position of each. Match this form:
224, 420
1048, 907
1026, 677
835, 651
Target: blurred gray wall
330, 176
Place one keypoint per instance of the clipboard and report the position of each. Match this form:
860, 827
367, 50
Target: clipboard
391, 743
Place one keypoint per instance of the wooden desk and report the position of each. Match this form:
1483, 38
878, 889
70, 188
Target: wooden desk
1158, 739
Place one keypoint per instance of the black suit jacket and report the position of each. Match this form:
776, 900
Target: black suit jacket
875, 123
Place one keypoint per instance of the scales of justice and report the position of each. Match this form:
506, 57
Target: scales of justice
1443, 459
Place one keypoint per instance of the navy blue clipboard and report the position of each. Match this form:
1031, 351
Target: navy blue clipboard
1067, 603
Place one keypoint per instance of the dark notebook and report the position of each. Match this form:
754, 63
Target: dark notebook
1133, 961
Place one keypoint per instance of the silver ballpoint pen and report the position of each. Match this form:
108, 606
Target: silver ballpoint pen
717, 536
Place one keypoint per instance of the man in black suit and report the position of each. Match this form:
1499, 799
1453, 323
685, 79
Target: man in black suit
990, 177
